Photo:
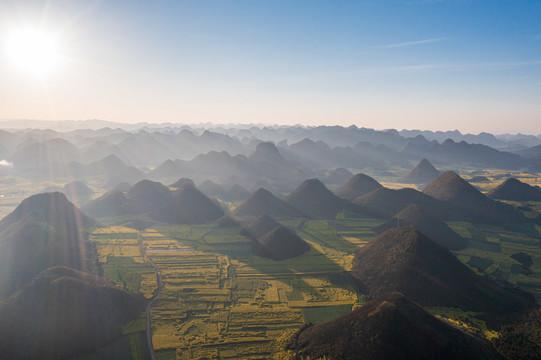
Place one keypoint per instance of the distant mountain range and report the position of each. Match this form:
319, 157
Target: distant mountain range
277, 158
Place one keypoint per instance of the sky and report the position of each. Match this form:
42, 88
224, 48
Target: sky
471, 65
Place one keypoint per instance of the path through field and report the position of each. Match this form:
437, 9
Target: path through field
154, 297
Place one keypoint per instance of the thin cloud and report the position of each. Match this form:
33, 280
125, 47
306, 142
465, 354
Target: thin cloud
5, 164
411, 43
446, 67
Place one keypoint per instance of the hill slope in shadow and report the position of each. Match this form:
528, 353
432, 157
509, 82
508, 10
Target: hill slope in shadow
391, 327
406, 261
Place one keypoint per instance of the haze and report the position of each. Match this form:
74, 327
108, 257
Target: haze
468, 65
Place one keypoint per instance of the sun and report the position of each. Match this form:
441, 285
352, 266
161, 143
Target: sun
33, 51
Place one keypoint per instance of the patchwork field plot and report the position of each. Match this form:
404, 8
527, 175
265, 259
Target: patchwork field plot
491, 251
219, 299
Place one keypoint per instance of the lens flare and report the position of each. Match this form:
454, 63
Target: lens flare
33, 51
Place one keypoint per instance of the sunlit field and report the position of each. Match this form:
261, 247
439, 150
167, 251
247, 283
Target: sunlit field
220, 300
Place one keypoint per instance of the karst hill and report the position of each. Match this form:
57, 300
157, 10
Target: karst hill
388, 328
356, 186
406, 261
450, 187
423, 172
44, 230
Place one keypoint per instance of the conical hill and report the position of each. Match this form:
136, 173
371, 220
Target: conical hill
273, 240
452, 188
64, 313
429, 225
279, 244
423, 172
210, 188
515, 190
180, 183
188, 206
44, 230
406, 261
356, 186
386, 203
149, 196
112, 203
315, 200
263, 202
391, 327
338, 176
261, 226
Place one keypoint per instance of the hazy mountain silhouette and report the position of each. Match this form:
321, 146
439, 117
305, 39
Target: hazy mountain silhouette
314, 199
180, 183
416, 147
215, 163
451, 152
144, 149
425, 222
313, 149
452, 188
267, 152
64, 313
112, 167
236, 193
38, 155
263, 202
391, 327
101, 149
210, 188
315, 154
406, 261
44, 230
386, 203
112, 203
533, 152
168, 169
149, 196
338, 176
187, 206
356, 186
78, 192
423, 172
515, 190
266, 161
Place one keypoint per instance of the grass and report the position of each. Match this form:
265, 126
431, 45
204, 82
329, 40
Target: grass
317, 315
135, 326
466, 320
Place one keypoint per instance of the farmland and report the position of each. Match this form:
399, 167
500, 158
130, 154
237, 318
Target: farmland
221, 301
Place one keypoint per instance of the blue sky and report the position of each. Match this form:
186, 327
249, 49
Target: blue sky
450, 64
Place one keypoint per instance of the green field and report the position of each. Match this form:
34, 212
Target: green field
222, 301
